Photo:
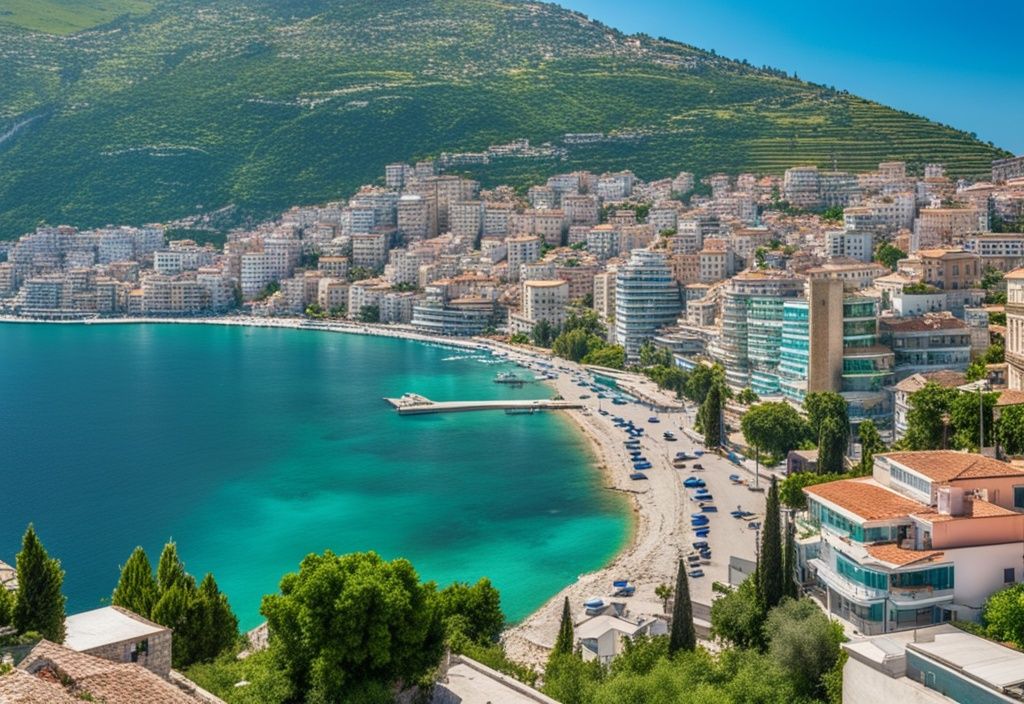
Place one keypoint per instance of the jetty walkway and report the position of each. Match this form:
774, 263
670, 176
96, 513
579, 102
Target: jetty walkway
412, 404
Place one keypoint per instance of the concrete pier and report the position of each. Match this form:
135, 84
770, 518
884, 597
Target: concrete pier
414, 404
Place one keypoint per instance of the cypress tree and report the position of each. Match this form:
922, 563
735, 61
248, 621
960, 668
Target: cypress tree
39, 606
564, 643
683, 636
7, 601
170, 570
219, 624
789, 562
711, 416
177, 610
136, 589
831, 447
770, 568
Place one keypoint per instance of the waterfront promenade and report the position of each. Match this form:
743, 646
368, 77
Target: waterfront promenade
414, 404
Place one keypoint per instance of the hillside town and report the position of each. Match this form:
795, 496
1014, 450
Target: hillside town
886, 291
862, 284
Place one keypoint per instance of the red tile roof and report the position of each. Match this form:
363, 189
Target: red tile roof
103, 680
950, 465
865, 498
893, 554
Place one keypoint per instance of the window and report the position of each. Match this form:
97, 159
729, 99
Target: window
1008, 576
1018, 497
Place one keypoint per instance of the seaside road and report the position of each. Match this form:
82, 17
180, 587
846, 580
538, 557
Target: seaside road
662, 534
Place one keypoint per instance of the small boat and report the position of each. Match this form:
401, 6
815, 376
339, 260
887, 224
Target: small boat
594, 602
510, 378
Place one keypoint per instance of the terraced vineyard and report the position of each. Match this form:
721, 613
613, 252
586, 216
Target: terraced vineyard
196, 104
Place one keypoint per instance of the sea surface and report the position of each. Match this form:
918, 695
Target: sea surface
252, 447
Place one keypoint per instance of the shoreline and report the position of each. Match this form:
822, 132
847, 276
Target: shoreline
642, 554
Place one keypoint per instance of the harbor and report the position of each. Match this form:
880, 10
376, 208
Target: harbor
414, 404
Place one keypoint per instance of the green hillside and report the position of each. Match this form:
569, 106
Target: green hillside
266, 103
66, 16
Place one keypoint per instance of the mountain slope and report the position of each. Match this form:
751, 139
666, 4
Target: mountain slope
264, 103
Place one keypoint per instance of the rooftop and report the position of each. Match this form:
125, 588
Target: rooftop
950, 465
923, 324
893, 554
110, 624
973, 509
979, 659
469, 682
864, 498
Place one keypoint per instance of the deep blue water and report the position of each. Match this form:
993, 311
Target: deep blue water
254, 447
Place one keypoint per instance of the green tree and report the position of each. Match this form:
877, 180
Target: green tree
569, 680
820, 405
8, 599
736, 616
805, 643
39, 606
1003, 615
136, 588
833, 214
351, 626
520, 338
791, 492
774, 427
769, 569
870, 445
789, 560
313, 310
171, 570
747, 397
683, 636
965, 411
831, 449
476, 609
610, 356
926, 428
651, 356
710, 416
576, 344
174, 610
566, 641
585, 320
1010, 430
369, 314
664, 592
213, 625
700, 381
543, 333
889, 255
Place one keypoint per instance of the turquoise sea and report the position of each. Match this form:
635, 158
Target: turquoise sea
252, 447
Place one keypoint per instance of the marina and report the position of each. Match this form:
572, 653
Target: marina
414, 404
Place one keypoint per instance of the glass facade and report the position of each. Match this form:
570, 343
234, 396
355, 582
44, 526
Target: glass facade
855, 573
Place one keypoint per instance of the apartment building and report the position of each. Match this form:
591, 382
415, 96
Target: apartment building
948, 269
854, 275
521, 250
604, 293
370, 250
801, 186
546, 224
850, 244
646, 298
838, 189
1004, 170
541, 300
683, 183
1001, 251
162, 295
1015, 330
926, 539
615, 186
417, 217
603, 241
496, 219
935, 227
255, 273
928, 343
466, 218
333, 267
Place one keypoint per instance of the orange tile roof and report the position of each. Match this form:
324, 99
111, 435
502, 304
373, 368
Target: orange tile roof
17, 687
865, 498
975, 509
1010, 397
104, 680
950, 465
893, 554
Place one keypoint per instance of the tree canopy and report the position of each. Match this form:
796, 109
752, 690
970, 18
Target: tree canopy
39, 605
774, 427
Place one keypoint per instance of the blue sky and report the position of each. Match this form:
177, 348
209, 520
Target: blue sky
957, 63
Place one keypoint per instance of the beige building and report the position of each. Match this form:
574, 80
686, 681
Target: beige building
935, 227
334, 267
119, 635
370, 250
546, 224
604, 294
948, 269
1015, 330
521, 250
541, 300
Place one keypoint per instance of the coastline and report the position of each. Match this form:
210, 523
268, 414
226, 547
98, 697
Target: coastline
647, 555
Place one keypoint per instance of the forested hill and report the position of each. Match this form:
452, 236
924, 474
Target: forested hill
134, 110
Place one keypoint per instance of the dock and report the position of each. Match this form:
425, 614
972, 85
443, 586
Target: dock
414, 404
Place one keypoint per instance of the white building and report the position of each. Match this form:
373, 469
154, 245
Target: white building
1015, 329
646, 298
601, 637
802, 186
851, 244
521, 250
370, 250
